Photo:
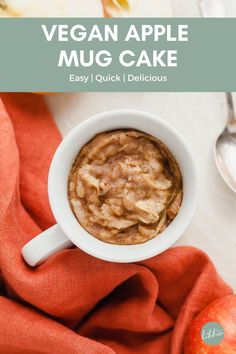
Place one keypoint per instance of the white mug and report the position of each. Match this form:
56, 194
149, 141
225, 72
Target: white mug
68, 231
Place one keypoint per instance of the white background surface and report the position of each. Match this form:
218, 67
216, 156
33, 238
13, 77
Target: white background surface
200, 117
189, 8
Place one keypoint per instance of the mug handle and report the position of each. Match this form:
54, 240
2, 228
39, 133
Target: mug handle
45, 245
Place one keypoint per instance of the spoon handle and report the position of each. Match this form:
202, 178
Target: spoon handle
231, 111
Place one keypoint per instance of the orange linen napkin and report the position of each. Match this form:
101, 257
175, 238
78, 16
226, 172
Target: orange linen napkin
74, 303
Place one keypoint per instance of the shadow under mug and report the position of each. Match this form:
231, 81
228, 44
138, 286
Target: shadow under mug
68, 232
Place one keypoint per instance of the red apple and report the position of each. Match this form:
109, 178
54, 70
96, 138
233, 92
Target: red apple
199, 338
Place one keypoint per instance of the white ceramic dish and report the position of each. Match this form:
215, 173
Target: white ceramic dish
69, 232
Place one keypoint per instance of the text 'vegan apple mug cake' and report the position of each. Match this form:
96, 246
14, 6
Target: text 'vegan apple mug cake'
125, 187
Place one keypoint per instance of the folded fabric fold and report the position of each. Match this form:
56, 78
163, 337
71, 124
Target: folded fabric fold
74, 303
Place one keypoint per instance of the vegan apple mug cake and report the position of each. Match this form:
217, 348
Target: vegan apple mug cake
125, 187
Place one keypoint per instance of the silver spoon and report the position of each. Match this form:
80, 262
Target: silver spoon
225, 148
